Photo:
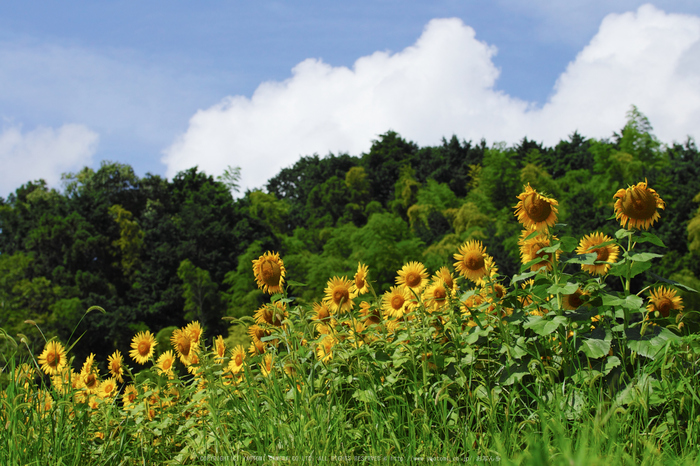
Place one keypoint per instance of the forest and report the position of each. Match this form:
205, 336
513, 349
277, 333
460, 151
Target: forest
155, 253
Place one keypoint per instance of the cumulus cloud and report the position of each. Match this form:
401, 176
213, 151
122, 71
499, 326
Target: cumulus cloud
445, 84
43, 153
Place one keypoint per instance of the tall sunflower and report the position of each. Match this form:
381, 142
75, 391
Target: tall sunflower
472, 261
535, 211
608, 253
337, 294
142, 346
115, 364
637, 206
165, 364
414, 276
664, 300
269, 272
531, 249
53, 358
183, 344
397, 302
360, 281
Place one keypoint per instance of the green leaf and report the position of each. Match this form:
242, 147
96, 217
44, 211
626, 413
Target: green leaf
622, 233
551, 249
671, 282
522, 276
567, 288
652, 342
543, 326
639, 267
588, 259
295, 284
527, 265
568, 244
643, 256
647, 237
513, 373
594, 347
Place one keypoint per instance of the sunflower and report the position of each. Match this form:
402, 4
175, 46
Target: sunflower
338, 294
271, 314
535, 211
637, 206
435, 296
414, 276
360, 279
256, 347
608, 253
664, 300
192, 362
194, 330
183, 344
573, 301
115, 363
323, 316
108, 388
397, 302
142, 346
369, 314
165, 364
472, 261
89, 375
219, 349
53, 358
235, 365
324, 349
531, 249
257, 333
269, 272
266, 365
129, 397
444, 275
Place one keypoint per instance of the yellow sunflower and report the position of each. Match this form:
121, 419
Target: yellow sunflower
324, 349
142, 346
573, 301
129, 397
108, 388
219, 349
89, 376
266, 365
370, 314
256, 347
271, 314
446, 277
53, 358
664, 300
115, 363
238, 355
183, 344
535, 211
414, 276
637, 206
269, 272
397, 302
337, 294
472, 261
531, 249
257, 333
435, 297
360, 279
194, 330
608, 253
323, 316
165, 364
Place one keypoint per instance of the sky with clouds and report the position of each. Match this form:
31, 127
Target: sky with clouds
164, 86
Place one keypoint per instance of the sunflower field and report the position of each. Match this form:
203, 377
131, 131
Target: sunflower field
456, 365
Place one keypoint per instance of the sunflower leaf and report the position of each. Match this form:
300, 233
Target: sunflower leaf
522, 276
568, 244
639, 267
644, 256
296, 284
562, 288
588, 259
529, 264
622, 233
671, 282
648, 237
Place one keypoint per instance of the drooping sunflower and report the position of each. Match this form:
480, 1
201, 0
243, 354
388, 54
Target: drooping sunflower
664, 300
165, 364
108, 388
607, 253
194, 330
397, 302
337, 294
573, 301
271, 314
360, 281
535, 211
414, 276
637, 206
53, 358
531, 249
115, 364
219, 349
269, 272
472, 261
142, 346
235, 365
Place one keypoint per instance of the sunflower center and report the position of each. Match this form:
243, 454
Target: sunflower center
323, 313
52, 358
664, 306
448, 281
90, 381
271, 273
639, 204
439, 294
602, 254
167, 364
413, 279
397, 301
114, 367
239, 359
537, 208
359, 282
183, 346
575, 300
474, 261
109, 388
144, 348
341, 293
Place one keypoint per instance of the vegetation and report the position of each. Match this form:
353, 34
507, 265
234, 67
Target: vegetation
420, 303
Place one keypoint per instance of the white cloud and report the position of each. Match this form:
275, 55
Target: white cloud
444, 85
43, 153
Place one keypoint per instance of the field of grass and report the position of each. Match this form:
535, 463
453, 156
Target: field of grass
551, 366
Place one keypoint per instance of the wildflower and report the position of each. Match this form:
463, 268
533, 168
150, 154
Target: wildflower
397, 302
142, 346
53, 358
414, 276
269, 272
664, 300
607, 253
472, 261
360, 279
535, 211
165, 363
115, 363
338, 294
266, 365
637, 206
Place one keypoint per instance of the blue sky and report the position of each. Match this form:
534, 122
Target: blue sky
164, 85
